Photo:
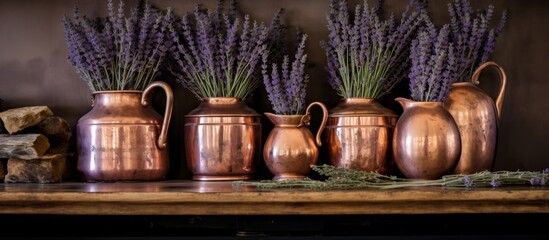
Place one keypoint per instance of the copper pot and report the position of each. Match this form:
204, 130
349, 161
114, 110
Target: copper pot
290, 148
476, 116
426, 143
122, 138
222, 140
358, 135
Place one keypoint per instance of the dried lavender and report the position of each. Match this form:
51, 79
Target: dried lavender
473, 38
368, 56
339, 178
287, 87
434, 66
215, 56
118, 52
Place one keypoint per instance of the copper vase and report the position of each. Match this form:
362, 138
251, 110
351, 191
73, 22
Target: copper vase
290, 148
358, 135
426, 143
476, 116
222, 140
122, 138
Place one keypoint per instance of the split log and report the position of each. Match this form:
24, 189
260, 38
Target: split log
2, 169
17, 119
55, 127
46, 169
23, 146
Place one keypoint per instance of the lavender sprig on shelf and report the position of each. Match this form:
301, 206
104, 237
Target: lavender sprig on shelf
217, 55
118, 52
367, 56
339, 178
434, 66
473, 38
287, 86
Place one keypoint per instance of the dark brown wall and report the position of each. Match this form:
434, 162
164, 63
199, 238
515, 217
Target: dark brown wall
34, 70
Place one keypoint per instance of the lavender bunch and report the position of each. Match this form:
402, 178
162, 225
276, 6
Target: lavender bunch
339, 178
368, 56
434, 66
216, 55
287, 87
471, 33
118, 52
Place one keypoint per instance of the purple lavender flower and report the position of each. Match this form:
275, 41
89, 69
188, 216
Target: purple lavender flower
473, 39
546, 171
468, 181
495, 182
118, 53
286, 88
535, 181
433, 67
218, 55
366, 56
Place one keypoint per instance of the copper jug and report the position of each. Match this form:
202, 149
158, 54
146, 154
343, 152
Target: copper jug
426, 143
222, 140
477, 117
290, 148
358, 135
122, 138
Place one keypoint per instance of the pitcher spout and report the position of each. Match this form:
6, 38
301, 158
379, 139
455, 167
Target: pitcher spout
404, 102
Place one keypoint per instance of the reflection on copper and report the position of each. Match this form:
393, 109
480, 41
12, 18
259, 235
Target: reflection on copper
358, 135
222, 140
122, 138
426, 142
290, 148
477, 116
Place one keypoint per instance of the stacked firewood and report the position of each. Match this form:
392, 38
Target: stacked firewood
34, 146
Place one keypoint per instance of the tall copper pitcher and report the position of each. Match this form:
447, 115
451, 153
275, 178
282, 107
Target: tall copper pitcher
122, 138
477, 116
426, 143
290, 148
222, 140
358, 135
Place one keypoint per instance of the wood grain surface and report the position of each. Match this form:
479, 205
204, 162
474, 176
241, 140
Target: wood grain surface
214, 198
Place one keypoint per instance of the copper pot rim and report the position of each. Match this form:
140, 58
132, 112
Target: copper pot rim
350, 107
117, 91
222, 107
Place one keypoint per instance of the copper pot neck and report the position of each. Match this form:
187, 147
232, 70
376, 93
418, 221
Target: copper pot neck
123, 97
222, 100
407, 103
280, 120
357, 100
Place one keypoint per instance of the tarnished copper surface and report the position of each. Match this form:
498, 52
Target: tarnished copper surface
476, 116
290, 148
426, 142
122, 138
358, 135
222, 140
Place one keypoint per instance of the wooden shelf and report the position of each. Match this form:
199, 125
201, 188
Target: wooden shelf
215, 198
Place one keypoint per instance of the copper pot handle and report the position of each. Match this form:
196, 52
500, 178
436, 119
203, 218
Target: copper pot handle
502, 76
162, 139
306, 120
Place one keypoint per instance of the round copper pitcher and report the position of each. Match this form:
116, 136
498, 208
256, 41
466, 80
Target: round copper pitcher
122, 138
222, 140
290, 148
426, 143
358, 135
477, 117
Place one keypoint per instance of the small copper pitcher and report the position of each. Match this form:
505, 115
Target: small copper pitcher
477, 117
122, 138
290, 149
426, 143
